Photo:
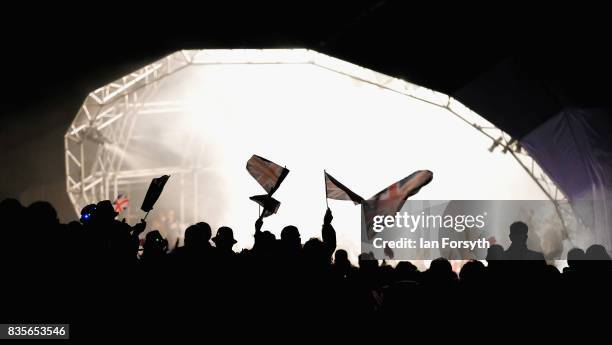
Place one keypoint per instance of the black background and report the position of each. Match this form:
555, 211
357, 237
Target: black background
542, 57
57, 53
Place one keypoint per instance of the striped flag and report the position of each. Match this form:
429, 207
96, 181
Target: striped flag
268, 174
391, 199
269, 204
336, 190
121, 203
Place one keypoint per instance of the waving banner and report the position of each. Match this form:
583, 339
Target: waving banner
338, 191
268, 174
155, 189
391, 199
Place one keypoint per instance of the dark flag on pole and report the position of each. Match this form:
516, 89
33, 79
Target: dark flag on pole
269, 204
268, 174
391, 199
338, 191
153, 193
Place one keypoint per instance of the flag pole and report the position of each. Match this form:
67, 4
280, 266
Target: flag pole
325, 184
145, 217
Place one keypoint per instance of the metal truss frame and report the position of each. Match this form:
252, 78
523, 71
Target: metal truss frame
108, 116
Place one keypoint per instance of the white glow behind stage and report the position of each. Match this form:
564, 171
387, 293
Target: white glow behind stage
310, 118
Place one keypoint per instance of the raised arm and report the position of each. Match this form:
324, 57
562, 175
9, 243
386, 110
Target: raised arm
258, 225
328, 233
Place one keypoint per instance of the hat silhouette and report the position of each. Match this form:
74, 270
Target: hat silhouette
224, 235
105, 209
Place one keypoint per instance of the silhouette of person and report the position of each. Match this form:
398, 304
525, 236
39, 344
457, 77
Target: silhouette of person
597, 252
472, 275
197, 252
290, 240
575, 259
105, 209
155, 246
10, 208
87, 213
328, 233
440, 275
265, 241
111, 239
518, 249
599, 259
42, 230
495, 252
100, 252
197, 237
224, 240
342, 266
11, 218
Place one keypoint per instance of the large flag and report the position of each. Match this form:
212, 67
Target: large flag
121, 203
155, 189
391, 199
267, 173
269, 204
336, 190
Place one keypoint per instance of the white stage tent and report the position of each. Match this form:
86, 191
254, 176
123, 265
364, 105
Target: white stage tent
200, 114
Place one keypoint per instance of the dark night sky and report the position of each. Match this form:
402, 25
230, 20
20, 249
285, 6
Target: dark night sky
54, 55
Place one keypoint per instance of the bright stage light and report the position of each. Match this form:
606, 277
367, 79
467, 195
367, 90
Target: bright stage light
199, 115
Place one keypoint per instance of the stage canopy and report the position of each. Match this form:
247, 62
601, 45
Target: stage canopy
199, 115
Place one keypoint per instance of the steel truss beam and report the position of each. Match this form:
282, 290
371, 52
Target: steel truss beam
112, 110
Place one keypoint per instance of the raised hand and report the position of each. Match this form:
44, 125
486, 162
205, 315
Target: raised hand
140, 227
328, 217
258, 224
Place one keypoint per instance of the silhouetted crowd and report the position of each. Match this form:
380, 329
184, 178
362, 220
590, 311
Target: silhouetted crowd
98, 268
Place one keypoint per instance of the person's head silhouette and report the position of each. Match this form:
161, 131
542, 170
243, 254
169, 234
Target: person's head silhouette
197, 235
405, 270
105, 211
599, 259
575, 257
495, 252
341, 258
315, 252
10, 208
265, 243
87, 213
472, 273
224, 239
43, 212
518, 234
367, 262
597, 252
441, 265
290, 237
155, 245
205, 228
